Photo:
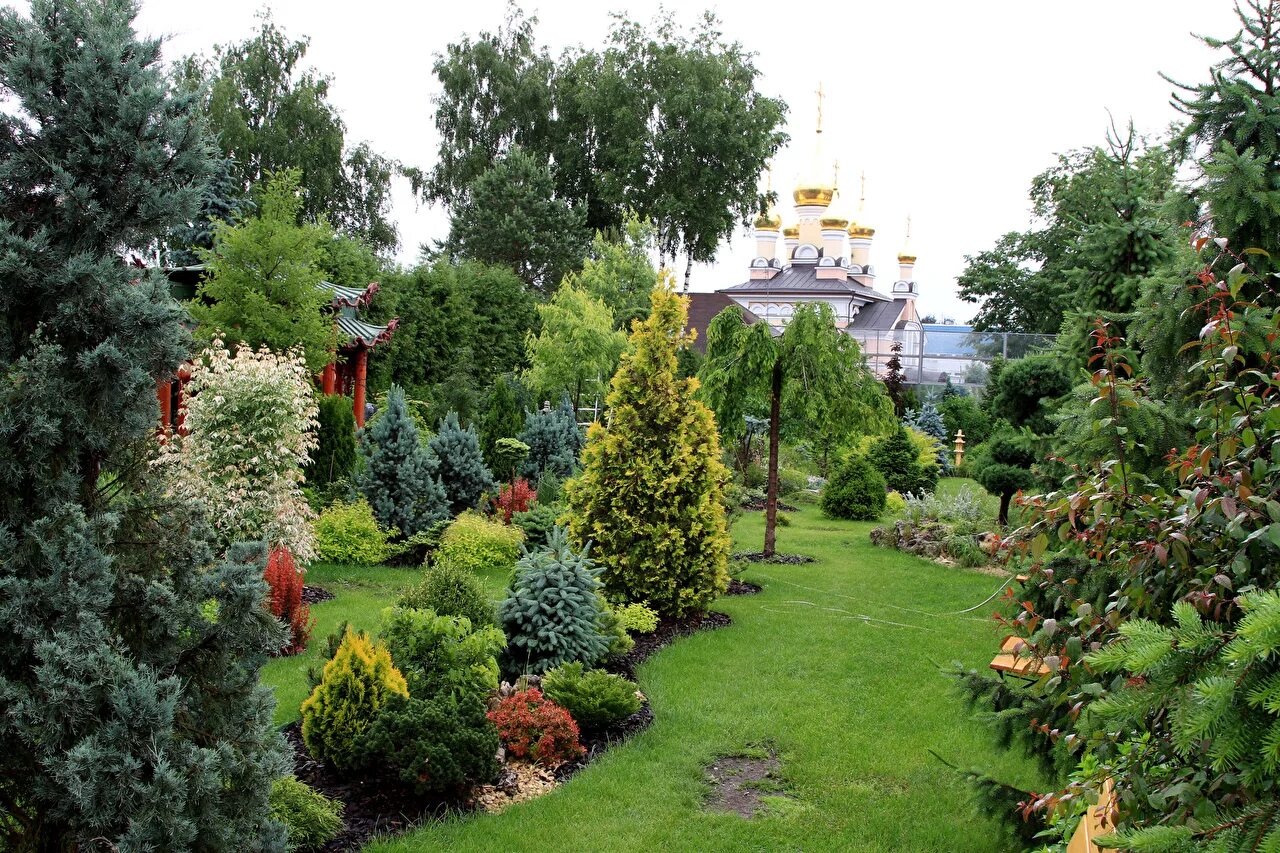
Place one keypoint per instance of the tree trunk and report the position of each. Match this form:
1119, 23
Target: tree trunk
771, 498
1003, 519
688, 270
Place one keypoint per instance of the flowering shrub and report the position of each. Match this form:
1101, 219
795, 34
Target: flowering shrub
349, 535
530, 725
249, 424
285, 580
517, 500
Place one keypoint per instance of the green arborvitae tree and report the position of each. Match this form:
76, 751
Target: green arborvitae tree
335, 457
555, 442
260, 285
399, 475
650, 496
503, 416
813, 380
460, 465
129, 656
898, 461
553, 612
512, 217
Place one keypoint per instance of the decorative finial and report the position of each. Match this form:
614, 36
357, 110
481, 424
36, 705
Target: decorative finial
835, 174
862, 193
820, 97
908, 226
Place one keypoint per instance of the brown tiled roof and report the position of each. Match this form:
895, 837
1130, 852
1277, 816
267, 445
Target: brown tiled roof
703, 307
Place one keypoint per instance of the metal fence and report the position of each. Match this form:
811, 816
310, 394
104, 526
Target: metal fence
938, 353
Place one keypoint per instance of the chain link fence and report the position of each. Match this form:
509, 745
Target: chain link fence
939, 352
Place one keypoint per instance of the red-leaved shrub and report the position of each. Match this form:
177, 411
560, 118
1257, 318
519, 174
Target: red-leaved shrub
285, 582
532, 725
524, 496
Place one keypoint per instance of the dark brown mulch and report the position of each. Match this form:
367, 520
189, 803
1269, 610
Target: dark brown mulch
596, 742
737, 587
780, 559
315, 594
373, 804
667, 632
759, 506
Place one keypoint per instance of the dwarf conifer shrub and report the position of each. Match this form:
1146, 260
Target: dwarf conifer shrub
550, 488
399, 475
285, 582
637, 618
594, 698
479, 544
334, 458
650, 495
349, 535
896, 457
538, 522
532, 726
553, 611
442, 655
439, 743
460, 465
355, 685
928, 420
555, 441
312, 818
451, 590
856, 491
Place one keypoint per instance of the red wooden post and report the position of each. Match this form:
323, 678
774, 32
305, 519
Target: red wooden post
362, 365
163, 394
330, 379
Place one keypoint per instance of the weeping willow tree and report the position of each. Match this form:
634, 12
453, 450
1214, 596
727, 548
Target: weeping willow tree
812, 377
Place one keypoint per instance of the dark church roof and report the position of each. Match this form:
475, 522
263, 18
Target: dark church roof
804, 279
702, 308
877, 316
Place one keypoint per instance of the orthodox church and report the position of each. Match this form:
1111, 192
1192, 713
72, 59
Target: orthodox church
823, 256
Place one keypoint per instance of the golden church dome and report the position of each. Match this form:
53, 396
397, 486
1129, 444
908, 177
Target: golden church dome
814, 193
858, 230
791, 231
770, 221
834, 219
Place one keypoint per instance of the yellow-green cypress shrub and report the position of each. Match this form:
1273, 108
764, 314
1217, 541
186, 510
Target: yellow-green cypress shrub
650, 496
356, 684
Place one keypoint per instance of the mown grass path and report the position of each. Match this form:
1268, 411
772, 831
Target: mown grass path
835, 665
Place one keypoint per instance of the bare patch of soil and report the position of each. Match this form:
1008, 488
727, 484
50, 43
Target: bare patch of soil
737, 587
315, 594
776, 559
740, 782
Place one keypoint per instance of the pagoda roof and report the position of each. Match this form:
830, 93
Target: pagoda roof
350, 297
359, 333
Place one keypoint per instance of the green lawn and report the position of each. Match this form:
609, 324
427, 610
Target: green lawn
835, 665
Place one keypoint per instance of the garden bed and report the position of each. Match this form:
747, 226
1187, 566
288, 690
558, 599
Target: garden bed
776, 559
737, 587
316, 594
377, 803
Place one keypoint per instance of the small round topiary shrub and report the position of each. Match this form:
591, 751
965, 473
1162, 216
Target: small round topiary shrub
479, 544
553, 612
855, 491
450, 590
594, 698
436, 744
355, 685
348, 534
532, 726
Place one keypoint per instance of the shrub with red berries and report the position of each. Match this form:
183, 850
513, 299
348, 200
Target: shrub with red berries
531, 725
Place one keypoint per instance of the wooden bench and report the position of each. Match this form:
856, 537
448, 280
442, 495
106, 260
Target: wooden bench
1009, 661
1097, 821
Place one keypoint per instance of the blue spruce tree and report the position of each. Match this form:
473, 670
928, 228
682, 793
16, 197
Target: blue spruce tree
133, 717
928, 420
399, 474
555, 442
461, 465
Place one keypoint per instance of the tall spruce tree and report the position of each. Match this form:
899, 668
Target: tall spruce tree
555, 441
461, 465
503, 417
399, 474
129, 657
650, 496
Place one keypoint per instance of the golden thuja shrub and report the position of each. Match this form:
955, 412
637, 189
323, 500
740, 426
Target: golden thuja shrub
650, 496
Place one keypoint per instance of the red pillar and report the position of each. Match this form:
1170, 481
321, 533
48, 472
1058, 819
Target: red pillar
330, 378
362, 365
164, 395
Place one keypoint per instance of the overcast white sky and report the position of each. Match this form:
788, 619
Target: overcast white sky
949, 107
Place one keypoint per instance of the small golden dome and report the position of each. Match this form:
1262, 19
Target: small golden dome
834, 220
770, 221
862, 231
814, 193
791, 231
906, 259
